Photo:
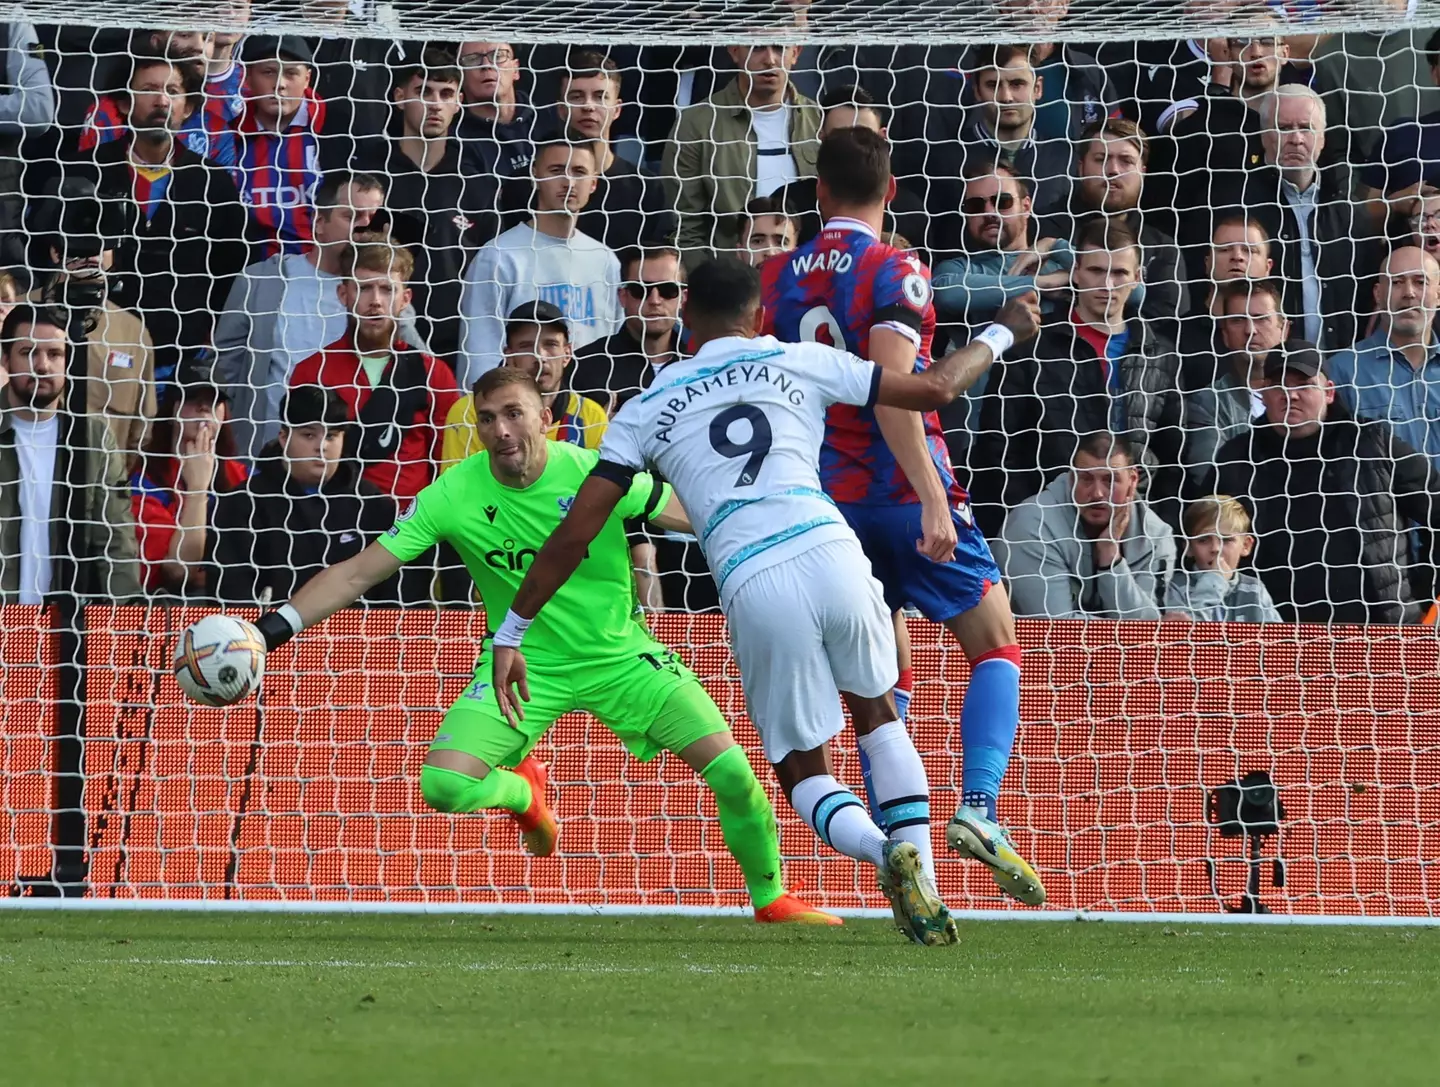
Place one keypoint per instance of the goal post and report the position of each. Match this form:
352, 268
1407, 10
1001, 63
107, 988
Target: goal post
1133, 784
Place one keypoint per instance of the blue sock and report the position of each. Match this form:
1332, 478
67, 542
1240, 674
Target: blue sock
988, 721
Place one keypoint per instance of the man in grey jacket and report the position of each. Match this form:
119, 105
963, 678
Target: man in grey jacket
1086, 547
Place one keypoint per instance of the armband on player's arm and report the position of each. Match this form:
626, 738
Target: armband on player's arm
657, 495
901, 319
619, 474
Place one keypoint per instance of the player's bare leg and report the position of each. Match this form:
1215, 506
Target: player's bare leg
452, 781
747, 822
988, 722
839, 819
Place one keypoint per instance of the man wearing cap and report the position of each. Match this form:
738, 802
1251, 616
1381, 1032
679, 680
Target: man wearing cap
537, 340
278, 143
305, 508
1332, 499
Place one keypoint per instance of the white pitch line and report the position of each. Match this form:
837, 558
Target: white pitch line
896, 970
535, 909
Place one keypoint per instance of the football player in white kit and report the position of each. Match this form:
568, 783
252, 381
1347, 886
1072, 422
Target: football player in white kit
736, 429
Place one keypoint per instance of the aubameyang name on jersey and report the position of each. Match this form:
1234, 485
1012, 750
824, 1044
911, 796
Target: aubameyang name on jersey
738, 374
822, 260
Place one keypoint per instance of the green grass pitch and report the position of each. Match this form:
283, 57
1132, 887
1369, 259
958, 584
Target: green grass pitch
199, 999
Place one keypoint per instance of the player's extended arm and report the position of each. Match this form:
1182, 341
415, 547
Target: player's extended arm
1017, 321
327, 592
559, 556
904, 433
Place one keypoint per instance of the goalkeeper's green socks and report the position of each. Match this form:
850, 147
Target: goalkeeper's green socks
748, 823
451, 791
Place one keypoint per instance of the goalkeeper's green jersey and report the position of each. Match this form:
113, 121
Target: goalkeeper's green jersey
498, 530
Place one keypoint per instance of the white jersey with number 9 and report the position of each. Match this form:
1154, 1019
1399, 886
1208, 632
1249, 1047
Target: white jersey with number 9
737, 430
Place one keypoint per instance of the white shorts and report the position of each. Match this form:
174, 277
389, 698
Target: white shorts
804, 630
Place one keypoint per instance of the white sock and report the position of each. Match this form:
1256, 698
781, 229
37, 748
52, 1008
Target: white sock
838, 817
901, 788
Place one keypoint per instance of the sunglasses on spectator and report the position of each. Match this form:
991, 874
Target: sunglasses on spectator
976, 205
487, 59
1239, 45
668, 291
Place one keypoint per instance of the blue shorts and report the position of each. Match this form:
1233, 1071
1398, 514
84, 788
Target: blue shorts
940, 590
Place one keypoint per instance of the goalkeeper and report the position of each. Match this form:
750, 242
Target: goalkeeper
593, 651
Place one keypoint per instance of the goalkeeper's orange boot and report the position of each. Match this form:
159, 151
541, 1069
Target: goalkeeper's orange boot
538, 829
791, 909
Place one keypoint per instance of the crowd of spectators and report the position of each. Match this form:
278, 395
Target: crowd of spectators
249, 280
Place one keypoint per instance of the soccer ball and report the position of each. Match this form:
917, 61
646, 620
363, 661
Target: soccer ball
219, 660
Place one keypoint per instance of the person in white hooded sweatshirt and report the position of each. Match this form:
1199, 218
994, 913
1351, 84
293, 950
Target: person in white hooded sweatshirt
546, 259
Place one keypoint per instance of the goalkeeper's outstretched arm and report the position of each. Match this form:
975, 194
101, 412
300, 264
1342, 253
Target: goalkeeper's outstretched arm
327, 592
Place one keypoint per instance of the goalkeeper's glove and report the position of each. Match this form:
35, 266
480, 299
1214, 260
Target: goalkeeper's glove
279, 626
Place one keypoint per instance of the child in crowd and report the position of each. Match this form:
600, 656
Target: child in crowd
1210, 587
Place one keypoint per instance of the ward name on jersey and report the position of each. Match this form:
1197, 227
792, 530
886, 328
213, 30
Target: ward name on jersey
737, 429
498, 530
833, 290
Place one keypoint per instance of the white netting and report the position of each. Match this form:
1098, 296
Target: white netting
686, 22
1278, 167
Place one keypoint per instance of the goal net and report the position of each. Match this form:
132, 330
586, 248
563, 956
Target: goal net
1230, 213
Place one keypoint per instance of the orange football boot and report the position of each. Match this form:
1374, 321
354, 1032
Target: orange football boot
791, 909
538, 829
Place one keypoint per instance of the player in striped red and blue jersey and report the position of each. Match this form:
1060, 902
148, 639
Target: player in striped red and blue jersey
889, 473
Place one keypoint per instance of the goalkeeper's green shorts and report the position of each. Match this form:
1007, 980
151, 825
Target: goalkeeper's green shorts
625, 694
